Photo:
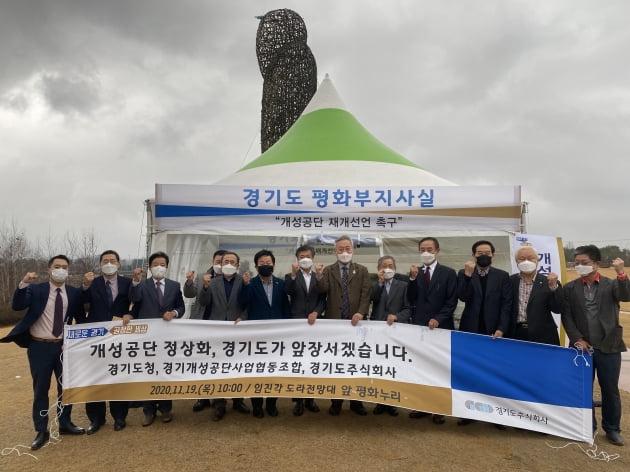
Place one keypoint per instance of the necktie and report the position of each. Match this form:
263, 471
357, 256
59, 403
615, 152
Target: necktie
345, 302
110, 295
388, 284
427, 274
58, 320
158, 290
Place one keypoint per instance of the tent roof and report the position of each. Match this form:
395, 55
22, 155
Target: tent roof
328, 143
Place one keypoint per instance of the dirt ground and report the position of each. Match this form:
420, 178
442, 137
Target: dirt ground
313, 442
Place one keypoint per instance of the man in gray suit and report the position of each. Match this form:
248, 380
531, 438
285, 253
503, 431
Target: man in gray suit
221, 296
389, 303
591, 319
306, 302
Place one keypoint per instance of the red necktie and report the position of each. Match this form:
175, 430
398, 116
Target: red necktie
427, 274
160, 295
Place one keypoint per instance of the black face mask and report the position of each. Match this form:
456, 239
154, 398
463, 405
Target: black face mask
265, 270
484, 261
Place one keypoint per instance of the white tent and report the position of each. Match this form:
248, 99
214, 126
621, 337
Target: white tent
328, 176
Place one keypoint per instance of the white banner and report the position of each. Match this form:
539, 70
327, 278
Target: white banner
438, 371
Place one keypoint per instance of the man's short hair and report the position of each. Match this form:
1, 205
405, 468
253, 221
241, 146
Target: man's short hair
238, 259
430, 238
589, 250
220, 252
58, 256
264, 252
479, 243
305, 248
109, 251
382, 258
344, 238
155, 255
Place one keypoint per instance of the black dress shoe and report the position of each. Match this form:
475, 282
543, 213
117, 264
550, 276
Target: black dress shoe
298, 409
272, 410
148, 419
392, 410
500, 427
379, 409
201, 404
438, 419
94, 427
167, 417
239, 405
70, 428
614, 438
42, 438
335, 408
464, 421
311, 406
418, 414
358, 409
258, 413
218, 414
119, 425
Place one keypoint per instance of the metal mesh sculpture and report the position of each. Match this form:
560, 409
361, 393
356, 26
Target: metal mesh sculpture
289, 72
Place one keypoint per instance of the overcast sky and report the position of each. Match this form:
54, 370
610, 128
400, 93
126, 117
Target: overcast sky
99, 100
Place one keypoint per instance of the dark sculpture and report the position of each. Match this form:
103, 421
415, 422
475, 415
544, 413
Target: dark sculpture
289, 72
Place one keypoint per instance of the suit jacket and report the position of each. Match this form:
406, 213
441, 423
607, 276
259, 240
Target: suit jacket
96, 296
497, 304
437, 300
220, 308
359, 288
194, 290
258, 307
304, 302
34, 299
145, 300
395, 302
609, 293
542, 301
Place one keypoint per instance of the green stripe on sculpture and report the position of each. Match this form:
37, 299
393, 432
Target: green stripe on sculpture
328, 134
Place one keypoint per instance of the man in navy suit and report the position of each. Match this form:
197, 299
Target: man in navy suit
49, 305
433, 292
306, 302
487, 293
107, 296
390, 304
535, 298
157, 297
266, 299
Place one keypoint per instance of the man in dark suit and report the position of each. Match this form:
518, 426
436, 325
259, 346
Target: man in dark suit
487, 294
433, 292
49, 305
157, 297
347, 286
306, 302
535, 298
107, 296
266, 299
389, 303
591, 318
220, 296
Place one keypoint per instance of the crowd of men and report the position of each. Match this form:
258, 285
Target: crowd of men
497, 304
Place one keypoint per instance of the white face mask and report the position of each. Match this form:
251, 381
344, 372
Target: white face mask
158, 272
305, 263
59, 275
344, 257
109, 268
228, 269
526, 267
388, 273
583, 270
427, 258
217, 269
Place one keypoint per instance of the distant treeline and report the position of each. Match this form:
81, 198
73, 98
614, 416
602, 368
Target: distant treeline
609, 253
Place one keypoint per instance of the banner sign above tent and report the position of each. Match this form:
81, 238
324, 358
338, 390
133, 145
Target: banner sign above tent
237, 208
525, 385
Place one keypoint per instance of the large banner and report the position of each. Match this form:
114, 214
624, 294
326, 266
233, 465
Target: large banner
525, 385
232, 209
